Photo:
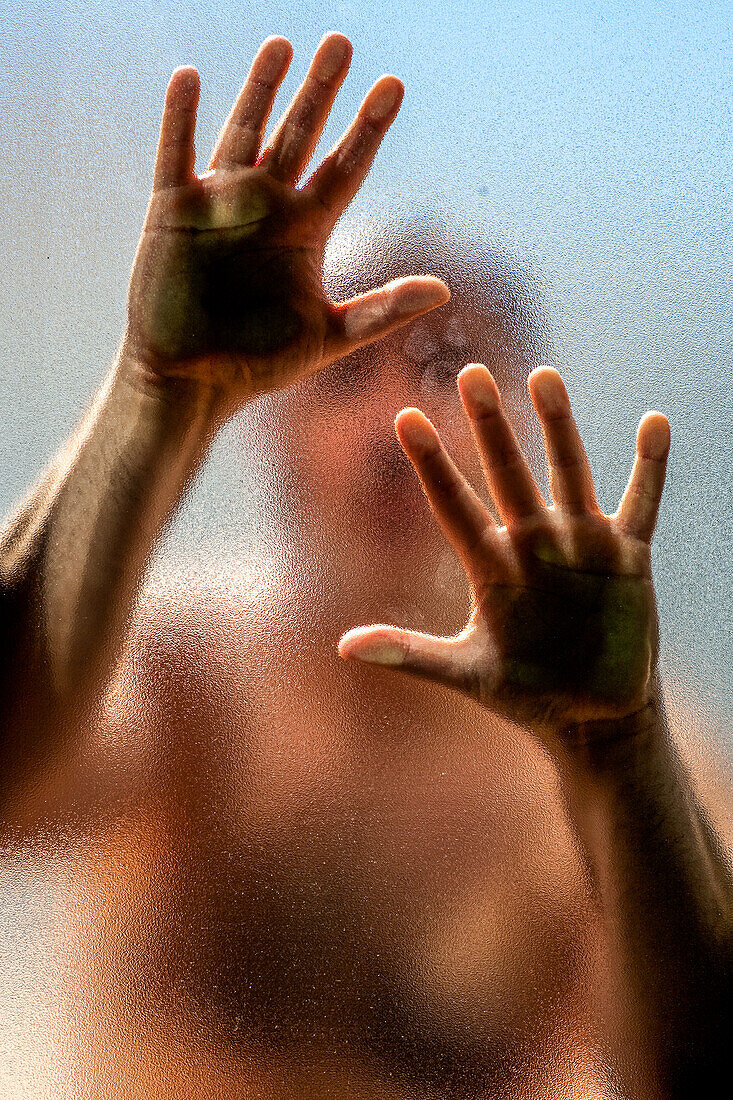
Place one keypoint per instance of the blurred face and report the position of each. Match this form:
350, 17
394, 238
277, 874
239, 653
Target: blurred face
343, 459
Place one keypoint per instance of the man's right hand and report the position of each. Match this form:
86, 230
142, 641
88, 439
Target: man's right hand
227, 286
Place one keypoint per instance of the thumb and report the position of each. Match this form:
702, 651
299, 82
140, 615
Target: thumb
442, 660
373, 315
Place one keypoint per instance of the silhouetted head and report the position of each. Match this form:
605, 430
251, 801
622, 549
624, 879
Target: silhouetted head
493, 317
336, 467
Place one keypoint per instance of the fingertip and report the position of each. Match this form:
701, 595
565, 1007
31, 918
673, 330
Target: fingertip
478, 389
184, 80
337, 41
375, 646
186, 71
385, 98
474, 371
344, 646
275, 53
394, 81
439, 289
419, 293
544, 372
416, 432
654, 436
332, 58
547, 390
442, 290
279, 43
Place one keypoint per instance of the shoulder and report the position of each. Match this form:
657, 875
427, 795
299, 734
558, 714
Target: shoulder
183, 695
191, 641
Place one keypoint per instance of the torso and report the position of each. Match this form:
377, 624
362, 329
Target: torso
286, 877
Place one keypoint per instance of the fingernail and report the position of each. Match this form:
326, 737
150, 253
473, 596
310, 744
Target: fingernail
411, 431
420, 292
551, 393
384, 99
656, 440
417, 434
478, 391
339, 48
380, 653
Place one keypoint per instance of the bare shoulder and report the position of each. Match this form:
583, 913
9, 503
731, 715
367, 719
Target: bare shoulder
183, 683
182, 697
187, 642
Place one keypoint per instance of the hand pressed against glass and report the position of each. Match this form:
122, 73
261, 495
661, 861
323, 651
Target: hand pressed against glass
226, 287
563, 628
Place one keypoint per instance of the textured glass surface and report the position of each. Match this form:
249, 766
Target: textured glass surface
269, 872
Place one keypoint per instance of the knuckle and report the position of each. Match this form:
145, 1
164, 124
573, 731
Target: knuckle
504, 456
247, 125
258, 84
369, 125
300, 125
382, 307
566, 460
321, 85
481, 539
320, 198
559, 418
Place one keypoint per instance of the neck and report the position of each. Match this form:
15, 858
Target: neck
340, 582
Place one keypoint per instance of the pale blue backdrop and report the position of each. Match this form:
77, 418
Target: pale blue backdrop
591, 140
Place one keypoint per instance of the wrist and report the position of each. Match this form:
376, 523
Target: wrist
620, 742
191, 398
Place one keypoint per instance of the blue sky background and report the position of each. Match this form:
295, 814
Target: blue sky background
593, 141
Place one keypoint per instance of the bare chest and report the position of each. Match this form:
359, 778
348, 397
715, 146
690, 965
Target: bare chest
386, 874
319, 872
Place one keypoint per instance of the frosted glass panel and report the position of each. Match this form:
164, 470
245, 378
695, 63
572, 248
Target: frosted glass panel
266, 871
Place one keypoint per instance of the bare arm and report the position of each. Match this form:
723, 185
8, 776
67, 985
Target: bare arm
563, 640
667, 889
226, 302
72, 558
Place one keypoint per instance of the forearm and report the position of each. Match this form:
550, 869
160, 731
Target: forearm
666, 890
73, 555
